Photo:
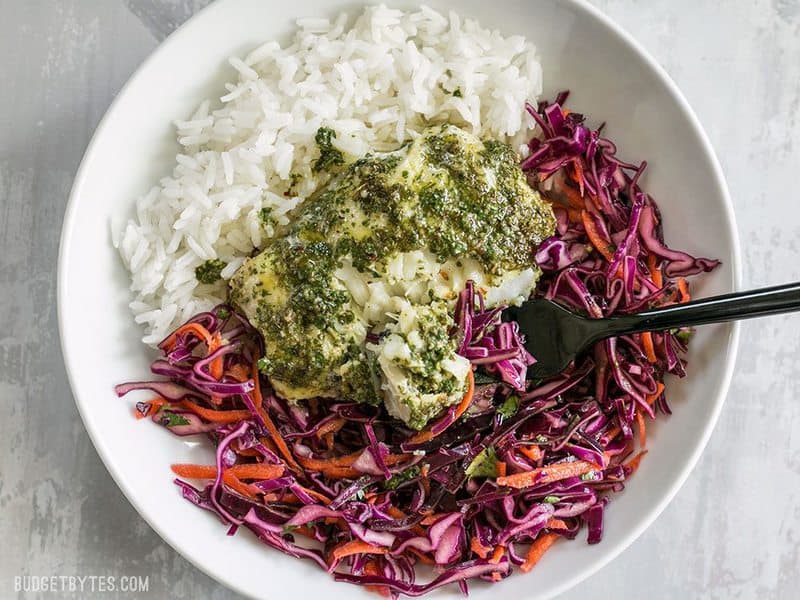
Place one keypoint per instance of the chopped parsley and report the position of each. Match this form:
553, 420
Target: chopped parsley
265, 216
171, 419
329, 156
210, 271
482, 378
457, 93
403, 476
483, 465
509, 407
223, 313
551, 499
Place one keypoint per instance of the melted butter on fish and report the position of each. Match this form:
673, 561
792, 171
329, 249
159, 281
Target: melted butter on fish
384, 249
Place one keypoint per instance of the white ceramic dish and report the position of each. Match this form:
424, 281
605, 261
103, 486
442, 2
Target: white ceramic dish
611, 77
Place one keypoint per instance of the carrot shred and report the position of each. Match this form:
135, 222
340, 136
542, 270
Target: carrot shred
216, 366
239, 372
547, 474
649, 347
153, 406
683, 288
577, 174
642, 429
653, 397
273, 431
331, 427
498, 553
540, 545
533, 453
426, 434
340, 464
244, 471
496, 576
603, 246
430, 519
479, 549
556, 524
245, 489
655, 271
216, 416
198, 330
315, 494
501, 468
370, 568
346, 549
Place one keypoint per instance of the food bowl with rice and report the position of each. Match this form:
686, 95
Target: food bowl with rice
296, 232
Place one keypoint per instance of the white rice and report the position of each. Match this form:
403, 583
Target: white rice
377, 83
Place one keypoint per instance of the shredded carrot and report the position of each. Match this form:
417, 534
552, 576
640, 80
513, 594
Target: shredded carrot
216, 366
655, 272
239, 372
479, 549
426, 482
198, 330
273, 431
501, 468
315, 494
633, 464
642, 429
245, 471
577, 174
498, 553
649, 348
269, 444
290, 499
344, 461
216, 416
153, 406
331, 427
426, 434
304, 530
395, 512
556, 524
603, 246
653, 397
329, 440
547, 474
540, 545
533, 453
346, 549
430, 519
371, 568
246, 490
683, 288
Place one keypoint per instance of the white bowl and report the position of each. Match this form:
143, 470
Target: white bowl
611, 77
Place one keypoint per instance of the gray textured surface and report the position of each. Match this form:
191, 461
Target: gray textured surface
734, 529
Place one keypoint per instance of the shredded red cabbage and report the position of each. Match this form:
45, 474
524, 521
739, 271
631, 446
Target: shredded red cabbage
369, 500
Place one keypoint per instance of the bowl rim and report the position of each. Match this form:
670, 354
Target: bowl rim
615, 547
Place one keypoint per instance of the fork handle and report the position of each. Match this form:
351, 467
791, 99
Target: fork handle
729, 307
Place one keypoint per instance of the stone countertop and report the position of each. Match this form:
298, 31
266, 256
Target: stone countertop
733, 531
